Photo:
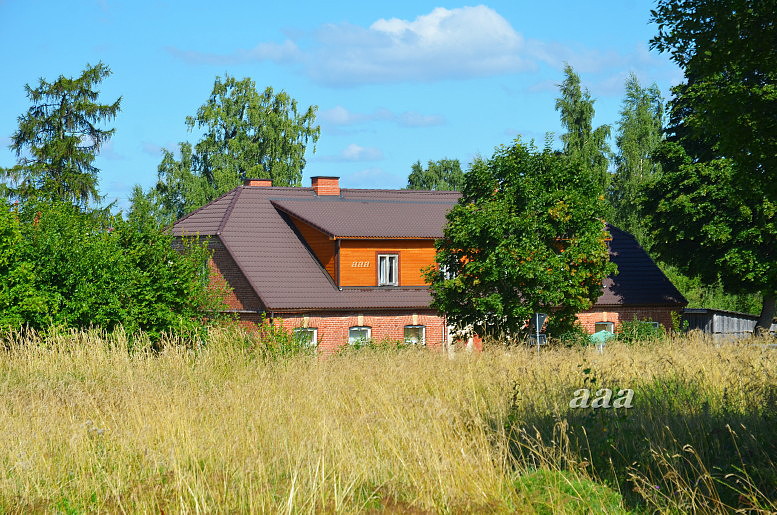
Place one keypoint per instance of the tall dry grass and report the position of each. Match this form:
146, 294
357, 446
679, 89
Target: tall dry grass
89, 426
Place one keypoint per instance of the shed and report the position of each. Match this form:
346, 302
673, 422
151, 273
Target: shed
720, 323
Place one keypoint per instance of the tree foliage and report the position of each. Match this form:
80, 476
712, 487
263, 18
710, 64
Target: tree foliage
711, 225
75, 268
58, 139
527, 235
19, 299
728, 100
640, 130
441, 175
245, 134
715, 201
583, 143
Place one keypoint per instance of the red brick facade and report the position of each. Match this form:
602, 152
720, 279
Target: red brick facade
618, 314
332, 326
225, 272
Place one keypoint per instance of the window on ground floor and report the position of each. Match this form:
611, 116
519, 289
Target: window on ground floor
415, 334
604, 326
359, 335
306, 336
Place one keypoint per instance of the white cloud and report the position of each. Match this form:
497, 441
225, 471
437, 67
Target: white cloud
340, 116
444, 44
353, 153
108, 151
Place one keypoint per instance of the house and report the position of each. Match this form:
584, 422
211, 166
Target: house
340, 265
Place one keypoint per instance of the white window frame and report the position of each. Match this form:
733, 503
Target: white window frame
610, 325
313, 330
352, 340
423, 334
385, 272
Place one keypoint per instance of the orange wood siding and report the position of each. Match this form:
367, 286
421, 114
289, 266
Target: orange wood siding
358, 260
322, 246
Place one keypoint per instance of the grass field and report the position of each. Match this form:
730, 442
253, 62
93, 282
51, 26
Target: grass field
89, 426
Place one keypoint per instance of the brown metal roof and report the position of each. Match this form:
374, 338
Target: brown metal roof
354, 217
253, 226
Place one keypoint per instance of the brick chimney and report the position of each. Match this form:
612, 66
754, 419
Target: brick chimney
258, 182
326, 185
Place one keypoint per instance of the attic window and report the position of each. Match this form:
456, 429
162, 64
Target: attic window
388, 265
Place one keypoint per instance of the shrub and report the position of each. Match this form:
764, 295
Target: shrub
633, 331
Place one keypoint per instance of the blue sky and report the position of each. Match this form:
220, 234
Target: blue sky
394, 82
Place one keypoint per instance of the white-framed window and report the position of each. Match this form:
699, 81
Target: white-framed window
415, 334
359, 334
654, 325
604, 326
388, 270
306, 336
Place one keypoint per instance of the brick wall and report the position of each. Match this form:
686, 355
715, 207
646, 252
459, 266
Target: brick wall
617, 314
225, 272
333, 327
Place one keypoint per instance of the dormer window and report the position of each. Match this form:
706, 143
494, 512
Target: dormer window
388, 270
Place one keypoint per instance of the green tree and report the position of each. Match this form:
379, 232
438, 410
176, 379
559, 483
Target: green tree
640, 130
19, 299
711, 225
58, 139
245, 134
721, 144
87, 268
442, 175
581, 141
729, 97
527, 235
180, 189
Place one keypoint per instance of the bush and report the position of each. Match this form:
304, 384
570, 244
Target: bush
91, 269
633, 331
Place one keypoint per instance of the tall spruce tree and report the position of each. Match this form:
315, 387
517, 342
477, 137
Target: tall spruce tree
59, 138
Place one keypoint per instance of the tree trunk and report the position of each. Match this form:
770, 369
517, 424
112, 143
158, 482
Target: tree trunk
768, 310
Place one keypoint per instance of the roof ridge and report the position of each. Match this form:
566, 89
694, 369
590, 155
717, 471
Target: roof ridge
228, 211
203, 207
300, 218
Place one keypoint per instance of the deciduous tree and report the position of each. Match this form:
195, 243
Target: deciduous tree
582, 142
245, 134
640, 130
715, 203
441, 175
527, 235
